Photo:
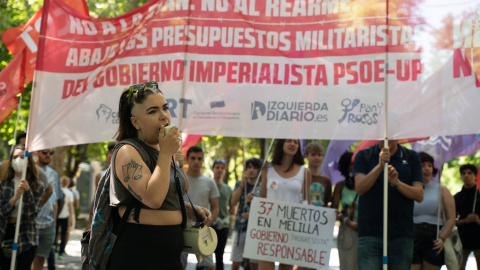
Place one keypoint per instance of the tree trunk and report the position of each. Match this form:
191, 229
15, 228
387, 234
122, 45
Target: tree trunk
263, 150
58, 159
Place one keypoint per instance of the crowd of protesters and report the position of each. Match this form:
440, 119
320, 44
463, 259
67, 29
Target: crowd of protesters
422, 213
47, 212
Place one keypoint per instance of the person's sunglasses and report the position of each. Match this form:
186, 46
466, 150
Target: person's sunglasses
51, 152
219, 160
138, 88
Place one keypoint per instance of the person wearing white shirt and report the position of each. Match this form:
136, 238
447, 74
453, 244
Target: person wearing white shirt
66, 216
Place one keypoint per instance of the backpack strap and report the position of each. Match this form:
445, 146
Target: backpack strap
118, 228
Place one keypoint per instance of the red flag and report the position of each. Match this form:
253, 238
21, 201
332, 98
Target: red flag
11, 84
189, 141
25, 37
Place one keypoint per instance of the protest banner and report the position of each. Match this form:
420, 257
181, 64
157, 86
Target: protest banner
263, 69
290, 233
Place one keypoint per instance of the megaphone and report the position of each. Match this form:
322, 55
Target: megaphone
200, 241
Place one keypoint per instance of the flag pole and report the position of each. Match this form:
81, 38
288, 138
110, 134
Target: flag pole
440, 202
263, 164
244, 168
475, 200
24, 172
19, 111
243, 152
385, 168
19, 215
185, 64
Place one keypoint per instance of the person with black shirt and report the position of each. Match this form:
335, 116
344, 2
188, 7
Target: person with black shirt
468, 210
405, 185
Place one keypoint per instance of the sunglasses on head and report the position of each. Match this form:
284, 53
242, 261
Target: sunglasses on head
51, 152
219, 161
138, 88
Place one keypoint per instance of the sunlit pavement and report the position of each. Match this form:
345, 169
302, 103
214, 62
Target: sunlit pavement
72, 260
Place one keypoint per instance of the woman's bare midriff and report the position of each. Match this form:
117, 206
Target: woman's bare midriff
155, 217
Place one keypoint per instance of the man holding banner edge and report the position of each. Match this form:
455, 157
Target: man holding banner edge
406, 185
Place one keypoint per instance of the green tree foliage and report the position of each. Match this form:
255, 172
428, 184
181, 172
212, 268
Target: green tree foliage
451, 173
17, 12
66, 160
231, 150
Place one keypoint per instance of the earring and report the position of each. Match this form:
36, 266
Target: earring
144, 135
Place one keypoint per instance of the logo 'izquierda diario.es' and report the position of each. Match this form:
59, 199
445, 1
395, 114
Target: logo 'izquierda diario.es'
290, 111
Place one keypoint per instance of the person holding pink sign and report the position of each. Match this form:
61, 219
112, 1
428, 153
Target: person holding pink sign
285, 179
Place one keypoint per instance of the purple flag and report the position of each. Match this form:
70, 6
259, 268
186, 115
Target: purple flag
444, 148
303, 144
330, 161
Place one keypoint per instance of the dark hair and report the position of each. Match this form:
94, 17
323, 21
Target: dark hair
32, 171
255, 162
194, 149
344, 162
72, 183
127, 100
424, 157
110, 146
470, 167
278, 154
343, 166
20, 136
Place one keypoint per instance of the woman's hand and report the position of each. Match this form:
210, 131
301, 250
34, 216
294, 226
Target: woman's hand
339, 215
249, 197
438, 245
170, 142
72, 221
203, 212
23, 187
352, 224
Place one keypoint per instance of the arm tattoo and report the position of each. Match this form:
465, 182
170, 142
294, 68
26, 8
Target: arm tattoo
134, 194
136, 171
